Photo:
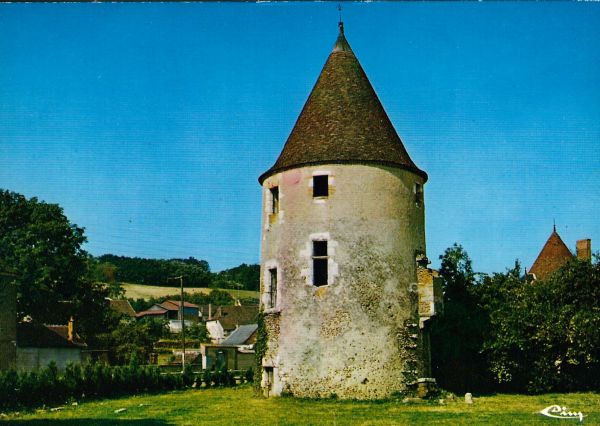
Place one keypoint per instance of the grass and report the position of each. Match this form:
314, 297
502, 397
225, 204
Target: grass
240, 406
141, 291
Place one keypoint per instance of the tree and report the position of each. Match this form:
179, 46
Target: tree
134, 340
457, 335
106, 272
545, 335
43, 250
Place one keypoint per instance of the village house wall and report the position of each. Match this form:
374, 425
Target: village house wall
29, 359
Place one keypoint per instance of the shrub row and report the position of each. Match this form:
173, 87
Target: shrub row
49, 386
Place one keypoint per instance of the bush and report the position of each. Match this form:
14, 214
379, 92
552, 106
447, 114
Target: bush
50, 386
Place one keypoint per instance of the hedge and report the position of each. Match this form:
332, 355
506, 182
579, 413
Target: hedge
49, 386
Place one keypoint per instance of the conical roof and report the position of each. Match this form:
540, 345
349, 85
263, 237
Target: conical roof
554, 254
343, 121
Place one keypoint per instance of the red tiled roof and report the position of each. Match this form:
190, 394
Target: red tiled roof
157, 312
554, 254
174, 305
343, 122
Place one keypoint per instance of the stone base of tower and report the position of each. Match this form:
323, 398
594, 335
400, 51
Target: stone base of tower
374, 367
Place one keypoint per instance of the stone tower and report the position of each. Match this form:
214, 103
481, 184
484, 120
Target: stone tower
342, 228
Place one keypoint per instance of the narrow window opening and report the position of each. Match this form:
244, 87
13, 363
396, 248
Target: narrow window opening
274, 200
320, 260
272, 288
269, 378
418, 193
321, 186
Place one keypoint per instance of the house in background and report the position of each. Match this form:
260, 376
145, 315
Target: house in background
170, 310
223, 320
123, 308
236, 352
40, 344
555, 254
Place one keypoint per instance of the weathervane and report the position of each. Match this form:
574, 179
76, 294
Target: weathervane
340, 23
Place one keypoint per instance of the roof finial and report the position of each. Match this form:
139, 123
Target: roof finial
340, 23
554, 224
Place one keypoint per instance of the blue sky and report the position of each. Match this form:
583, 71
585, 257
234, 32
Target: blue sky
150, 123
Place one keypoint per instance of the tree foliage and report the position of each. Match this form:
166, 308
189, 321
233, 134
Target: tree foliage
506, 333
244, 277
43, 250
158, 271
111, 268
134, 341
216, 297
457, 336
545, 335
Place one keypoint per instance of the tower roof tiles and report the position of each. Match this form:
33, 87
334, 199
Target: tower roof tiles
554, 254
343, 121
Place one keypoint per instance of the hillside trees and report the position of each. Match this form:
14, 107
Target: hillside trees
42, 249
244, 277
157, 271
197, 273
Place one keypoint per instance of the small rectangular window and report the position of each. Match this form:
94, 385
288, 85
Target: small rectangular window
319, 248
320, 260
321, 186
274, 200
272, 288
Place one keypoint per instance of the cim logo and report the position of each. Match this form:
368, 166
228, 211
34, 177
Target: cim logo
558, 412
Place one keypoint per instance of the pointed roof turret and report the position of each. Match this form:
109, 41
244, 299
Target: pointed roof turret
554, 254
343, 121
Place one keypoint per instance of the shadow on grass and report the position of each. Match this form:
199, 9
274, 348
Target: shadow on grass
89, 422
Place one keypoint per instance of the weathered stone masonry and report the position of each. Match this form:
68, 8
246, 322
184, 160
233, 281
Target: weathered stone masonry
338, 269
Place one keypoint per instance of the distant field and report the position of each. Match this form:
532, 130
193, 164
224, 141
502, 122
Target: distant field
139, 291
240, 406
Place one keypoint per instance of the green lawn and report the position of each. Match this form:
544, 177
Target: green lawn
240, 406
142, 291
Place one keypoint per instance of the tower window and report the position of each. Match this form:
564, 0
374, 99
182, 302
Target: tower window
274, 200
272, 302
418, 193
320, 263
321, 186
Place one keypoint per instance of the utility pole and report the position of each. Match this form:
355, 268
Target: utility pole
181, 318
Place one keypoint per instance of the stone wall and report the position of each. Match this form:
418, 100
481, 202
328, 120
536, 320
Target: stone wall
358, 336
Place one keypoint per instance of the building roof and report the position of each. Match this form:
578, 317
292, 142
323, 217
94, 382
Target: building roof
231, 317
34, 335
343, 121
149, 312
554, 254
123, 307
241, 335
174, 305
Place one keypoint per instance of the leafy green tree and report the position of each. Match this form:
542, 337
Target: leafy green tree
106, 272
134, 341
545, 335
244, 277
44, 251
457, 335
